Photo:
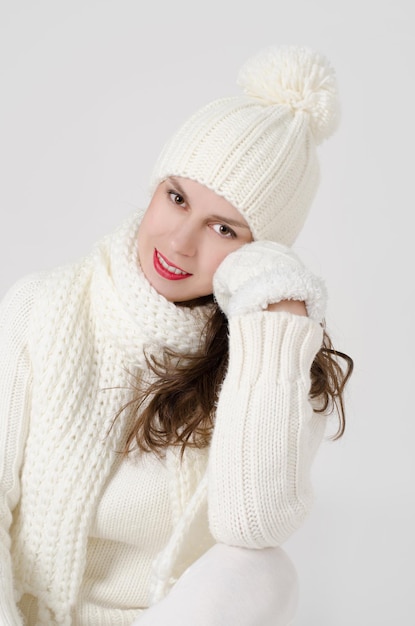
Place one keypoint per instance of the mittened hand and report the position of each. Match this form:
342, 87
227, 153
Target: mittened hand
262, 273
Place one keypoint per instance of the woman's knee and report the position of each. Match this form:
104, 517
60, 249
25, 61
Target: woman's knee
269, 578
263, 584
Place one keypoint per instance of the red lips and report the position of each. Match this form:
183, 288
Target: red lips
165, 272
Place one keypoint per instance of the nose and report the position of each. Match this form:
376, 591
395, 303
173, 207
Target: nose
184, 240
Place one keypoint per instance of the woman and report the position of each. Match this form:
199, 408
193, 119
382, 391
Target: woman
157, 399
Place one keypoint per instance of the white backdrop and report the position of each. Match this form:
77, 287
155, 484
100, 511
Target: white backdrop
90, 90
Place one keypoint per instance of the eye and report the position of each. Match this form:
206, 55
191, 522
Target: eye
176, 197
224, 231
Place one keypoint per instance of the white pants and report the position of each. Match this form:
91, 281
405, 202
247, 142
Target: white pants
230, 586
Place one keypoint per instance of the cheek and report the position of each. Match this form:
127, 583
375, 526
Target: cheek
215, 259
145, 242
148, 227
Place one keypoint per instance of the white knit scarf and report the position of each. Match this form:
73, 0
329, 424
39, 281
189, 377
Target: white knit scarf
91, 324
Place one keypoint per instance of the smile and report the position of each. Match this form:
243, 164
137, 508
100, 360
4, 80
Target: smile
166, 270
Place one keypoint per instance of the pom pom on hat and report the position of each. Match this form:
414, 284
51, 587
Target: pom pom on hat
299, 78
258, 149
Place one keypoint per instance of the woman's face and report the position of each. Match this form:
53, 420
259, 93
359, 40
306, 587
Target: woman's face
185, 234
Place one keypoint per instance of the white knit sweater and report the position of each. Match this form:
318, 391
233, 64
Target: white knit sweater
67, 341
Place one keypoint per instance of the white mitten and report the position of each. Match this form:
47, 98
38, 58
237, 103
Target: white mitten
264, 272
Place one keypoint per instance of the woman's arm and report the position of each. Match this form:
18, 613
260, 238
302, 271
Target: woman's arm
15, 376
266, 433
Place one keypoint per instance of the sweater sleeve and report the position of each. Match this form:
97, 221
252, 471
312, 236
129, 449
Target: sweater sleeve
266, 433
15, 377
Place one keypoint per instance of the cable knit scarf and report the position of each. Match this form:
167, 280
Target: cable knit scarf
91, 324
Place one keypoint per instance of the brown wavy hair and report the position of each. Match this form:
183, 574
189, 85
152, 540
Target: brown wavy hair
178, 408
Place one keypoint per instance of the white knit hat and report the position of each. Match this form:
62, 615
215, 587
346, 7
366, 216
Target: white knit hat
258, 150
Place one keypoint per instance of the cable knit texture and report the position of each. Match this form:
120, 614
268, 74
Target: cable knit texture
270, 432
88, 325
67, 340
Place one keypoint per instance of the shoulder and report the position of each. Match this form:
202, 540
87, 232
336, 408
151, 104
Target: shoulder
16, 314
18, 300
31, 296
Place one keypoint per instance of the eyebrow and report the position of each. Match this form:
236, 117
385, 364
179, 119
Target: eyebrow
219, 218
178, 186
228, 220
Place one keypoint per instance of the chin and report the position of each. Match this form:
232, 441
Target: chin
196, 301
